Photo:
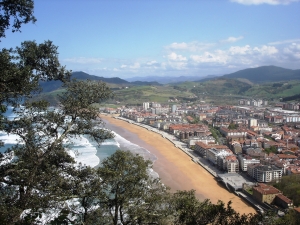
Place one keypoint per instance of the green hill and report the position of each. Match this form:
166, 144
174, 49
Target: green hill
54, 85
221, 86
265, 74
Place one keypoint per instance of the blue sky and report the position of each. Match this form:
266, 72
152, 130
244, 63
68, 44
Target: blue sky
128, 38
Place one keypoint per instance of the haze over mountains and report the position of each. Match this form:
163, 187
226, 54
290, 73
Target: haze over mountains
169, 80
261, 74
257, 75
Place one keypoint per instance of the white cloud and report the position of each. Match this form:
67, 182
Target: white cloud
258, 2
182, 61
292, 51
208, 57
192, 46
153, 62
232, 39
266, 50
174, 57
239, 55
135, 66
175, 61
237, 50
284, 42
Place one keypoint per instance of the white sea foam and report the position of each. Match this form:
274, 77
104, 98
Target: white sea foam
9, 138
134, 148
84, 151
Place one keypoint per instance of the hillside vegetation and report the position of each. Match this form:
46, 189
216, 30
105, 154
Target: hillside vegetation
217, 91
227, 89
265, 74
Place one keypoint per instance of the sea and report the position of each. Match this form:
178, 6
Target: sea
85, 150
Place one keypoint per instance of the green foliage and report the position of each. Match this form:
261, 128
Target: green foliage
38, 175
233, 126
215, 132
275, 85
291, 98
23, 68
265, 74
17, 12
130, 195
290, 186
291, 218
221, 86
36, 179
272, 149
190, 211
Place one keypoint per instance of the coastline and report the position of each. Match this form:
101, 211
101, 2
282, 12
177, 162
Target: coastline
175, 168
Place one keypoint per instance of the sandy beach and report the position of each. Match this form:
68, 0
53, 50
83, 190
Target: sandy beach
174, 167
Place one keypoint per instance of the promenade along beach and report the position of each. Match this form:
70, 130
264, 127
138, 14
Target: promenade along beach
174, 167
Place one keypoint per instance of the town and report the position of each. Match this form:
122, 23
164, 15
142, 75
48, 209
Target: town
248, 147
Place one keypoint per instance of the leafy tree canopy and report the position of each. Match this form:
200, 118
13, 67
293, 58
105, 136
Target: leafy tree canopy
14, 13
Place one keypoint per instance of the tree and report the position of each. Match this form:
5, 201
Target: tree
16, 11
129, 194
39, 175
272, 149
190, 211
233, 126
292, 217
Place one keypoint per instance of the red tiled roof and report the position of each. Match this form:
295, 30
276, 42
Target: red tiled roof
284, 198
266, 189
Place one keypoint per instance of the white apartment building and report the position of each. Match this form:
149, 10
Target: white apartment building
146, 105
212, 154
245, 161
265, 173
228, 163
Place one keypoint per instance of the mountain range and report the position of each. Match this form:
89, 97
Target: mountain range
257, 75
265, 74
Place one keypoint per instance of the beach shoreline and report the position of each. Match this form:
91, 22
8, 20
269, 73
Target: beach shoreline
174, 167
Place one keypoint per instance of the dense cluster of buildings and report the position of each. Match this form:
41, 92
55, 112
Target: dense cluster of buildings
253, 138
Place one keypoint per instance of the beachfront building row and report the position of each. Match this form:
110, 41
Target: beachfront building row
202, 148
204, 139
186, 131
223, 159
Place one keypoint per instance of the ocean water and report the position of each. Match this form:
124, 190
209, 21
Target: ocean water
86, 151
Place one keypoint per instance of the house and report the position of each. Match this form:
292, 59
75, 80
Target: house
236, 147
283, 201
265, 193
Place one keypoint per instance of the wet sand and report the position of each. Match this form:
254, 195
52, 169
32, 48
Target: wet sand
174, 167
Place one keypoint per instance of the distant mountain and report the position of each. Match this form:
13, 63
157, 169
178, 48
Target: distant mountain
141, 83
168, 80
84, 76
265, 74
54, 85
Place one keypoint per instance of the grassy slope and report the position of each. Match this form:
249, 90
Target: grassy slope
218, 91
148, 93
